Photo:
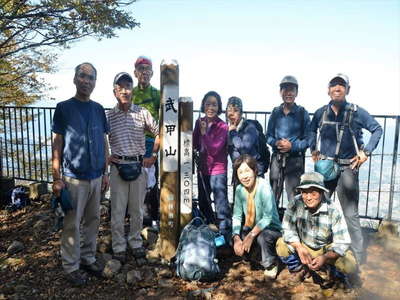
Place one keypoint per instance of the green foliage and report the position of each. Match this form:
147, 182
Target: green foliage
31, 31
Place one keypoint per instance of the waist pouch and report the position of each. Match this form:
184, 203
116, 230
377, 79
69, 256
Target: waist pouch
129, 172
328, 168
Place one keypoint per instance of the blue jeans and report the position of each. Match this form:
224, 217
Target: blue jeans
217, 185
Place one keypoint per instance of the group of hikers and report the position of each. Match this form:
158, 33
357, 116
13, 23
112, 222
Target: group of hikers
315, 232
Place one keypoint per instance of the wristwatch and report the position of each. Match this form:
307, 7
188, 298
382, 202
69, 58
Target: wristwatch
154, 154
367, 153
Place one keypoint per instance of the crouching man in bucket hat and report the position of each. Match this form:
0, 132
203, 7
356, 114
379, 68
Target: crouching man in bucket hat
315, 235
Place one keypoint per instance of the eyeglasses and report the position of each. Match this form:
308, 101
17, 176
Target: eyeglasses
337, 82
120, 89
143, 69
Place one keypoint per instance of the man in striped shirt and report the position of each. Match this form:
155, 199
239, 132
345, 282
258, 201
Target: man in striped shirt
127, 123
314, 231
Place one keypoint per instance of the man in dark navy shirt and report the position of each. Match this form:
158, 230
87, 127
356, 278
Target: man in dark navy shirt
288, 135
352, 152
79, 161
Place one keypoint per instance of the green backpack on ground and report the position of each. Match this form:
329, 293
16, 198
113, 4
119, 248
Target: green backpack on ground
196, 254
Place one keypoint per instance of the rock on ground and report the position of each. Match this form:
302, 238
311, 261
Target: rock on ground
132, 277
15, 247
112, 267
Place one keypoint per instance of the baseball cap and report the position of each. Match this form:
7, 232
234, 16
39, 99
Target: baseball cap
312, 179
288, 79
340, 77
121, 75
143, 60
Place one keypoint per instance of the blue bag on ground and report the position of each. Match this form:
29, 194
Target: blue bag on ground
196, 253
19, 198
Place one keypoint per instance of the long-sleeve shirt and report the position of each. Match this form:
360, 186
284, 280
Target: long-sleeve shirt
295, 127
329, 132
265, 206
244, 140
127, 130
321, 228
212, 147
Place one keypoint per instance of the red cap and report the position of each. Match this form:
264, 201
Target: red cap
143, 60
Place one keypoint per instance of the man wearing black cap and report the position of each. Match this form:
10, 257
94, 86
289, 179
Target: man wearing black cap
340, 143
128, 123
288, 134
147, 96
79, 162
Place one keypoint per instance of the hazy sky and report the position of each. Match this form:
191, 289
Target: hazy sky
244, 48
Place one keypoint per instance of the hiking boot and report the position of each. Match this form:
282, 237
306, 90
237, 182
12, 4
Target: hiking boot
95, 268
271, 272
139, 252
77, 278
299, 276
121, 256
354, 280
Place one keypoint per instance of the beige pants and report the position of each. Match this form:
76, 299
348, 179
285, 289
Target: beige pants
346, 264
81, 225
126, 194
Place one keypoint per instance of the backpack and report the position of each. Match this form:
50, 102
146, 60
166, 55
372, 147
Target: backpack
19, 198
195, 256
265, 155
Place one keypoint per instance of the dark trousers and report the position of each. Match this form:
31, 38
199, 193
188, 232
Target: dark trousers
217, 185
347, 188
266, 240
289, 175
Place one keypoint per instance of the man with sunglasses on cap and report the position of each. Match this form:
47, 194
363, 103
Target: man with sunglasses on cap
147, 96
315, 235
128, 123
336, 137
288, 134
79, 162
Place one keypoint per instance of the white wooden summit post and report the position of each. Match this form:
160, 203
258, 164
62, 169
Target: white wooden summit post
169, 176
185, 159
176, 153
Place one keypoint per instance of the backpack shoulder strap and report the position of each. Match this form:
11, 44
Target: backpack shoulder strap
322, 121
302, 121
350, 109
324, 117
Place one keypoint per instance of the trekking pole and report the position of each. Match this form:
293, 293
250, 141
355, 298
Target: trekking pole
199, 174
282, 166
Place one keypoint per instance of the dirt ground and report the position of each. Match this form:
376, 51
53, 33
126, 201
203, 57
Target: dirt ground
36, 273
